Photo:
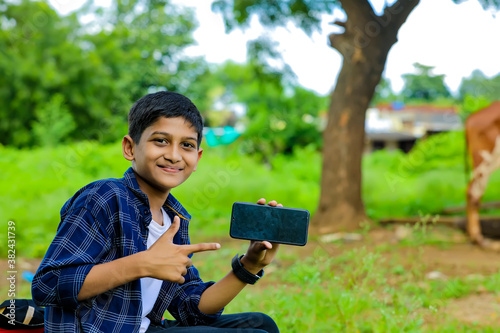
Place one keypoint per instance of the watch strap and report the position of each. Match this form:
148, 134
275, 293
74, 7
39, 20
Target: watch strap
242, 274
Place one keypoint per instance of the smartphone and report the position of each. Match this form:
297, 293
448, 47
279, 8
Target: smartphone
282, 225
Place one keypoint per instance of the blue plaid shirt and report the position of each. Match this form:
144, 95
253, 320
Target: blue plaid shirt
106, 220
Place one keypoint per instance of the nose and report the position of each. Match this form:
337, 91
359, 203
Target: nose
172, 154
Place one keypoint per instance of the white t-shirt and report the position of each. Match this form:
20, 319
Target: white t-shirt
150, 288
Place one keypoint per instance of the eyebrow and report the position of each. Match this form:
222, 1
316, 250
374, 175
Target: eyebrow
168, 134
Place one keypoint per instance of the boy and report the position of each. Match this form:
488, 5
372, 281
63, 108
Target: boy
121, 255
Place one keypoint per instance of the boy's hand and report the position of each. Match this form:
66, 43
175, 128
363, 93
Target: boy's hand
260, 254
168, 261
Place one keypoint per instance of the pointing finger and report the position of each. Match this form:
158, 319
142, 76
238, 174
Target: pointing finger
200, 247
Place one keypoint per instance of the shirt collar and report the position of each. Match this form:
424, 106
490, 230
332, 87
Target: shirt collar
171, 203
131, 181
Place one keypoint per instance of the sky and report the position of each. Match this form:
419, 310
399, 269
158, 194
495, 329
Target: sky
454, 39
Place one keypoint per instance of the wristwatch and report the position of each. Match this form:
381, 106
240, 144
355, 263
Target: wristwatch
242, 274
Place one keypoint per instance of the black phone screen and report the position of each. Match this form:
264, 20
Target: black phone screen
275, 224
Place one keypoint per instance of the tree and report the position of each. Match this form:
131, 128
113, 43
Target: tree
364, 45
477, 92
424, 86
277, 117
479, 85
63, 80
32, 68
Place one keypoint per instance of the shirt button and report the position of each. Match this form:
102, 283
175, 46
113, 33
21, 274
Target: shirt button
146, 211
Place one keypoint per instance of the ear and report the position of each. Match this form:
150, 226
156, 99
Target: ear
128, 146
200, 152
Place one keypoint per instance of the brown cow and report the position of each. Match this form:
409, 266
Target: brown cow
482, 133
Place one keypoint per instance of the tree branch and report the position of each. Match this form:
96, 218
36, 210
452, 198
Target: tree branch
399, 11
339, 23
357, 10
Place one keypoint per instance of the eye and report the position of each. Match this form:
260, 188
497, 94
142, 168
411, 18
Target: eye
161, 141
188, 145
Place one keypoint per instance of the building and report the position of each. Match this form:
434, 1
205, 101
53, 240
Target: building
396, 126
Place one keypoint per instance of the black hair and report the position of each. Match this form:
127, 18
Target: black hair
166, 104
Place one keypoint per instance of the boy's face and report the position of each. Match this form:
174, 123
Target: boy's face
166, 155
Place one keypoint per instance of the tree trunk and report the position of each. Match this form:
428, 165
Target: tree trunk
364, 46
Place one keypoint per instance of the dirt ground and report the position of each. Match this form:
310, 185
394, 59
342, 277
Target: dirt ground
457, 258
451, 256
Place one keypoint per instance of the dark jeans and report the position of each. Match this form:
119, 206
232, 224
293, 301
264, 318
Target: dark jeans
249, 322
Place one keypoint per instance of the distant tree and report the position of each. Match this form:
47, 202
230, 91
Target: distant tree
476, 92
278, 117
477, 84
364, 44
424, 86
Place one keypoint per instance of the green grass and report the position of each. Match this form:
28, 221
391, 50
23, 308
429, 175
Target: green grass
35, 184
425, 181
362, 289
366, 288
359, 291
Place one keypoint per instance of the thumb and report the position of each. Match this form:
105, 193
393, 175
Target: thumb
174, 227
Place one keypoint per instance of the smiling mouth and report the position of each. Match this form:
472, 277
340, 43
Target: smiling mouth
170, 169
